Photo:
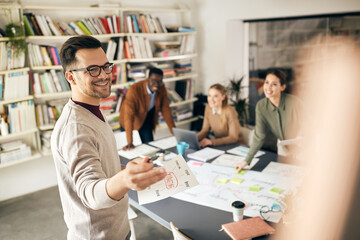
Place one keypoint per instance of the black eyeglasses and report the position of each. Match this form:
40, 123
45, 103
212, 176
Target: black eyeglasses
95, 70
157, 83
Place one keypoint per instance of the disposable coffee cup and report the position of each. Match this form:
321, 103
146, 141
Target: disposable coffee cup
238, 210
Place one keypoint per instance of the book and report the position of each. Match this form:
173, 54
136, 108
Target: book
247, 228
205, 154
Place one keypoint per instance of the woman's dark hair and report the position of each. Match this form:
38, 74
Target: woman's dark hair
279, 74
72, 45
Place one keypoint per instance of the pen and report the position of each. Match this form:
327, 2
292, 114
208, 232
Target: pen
149, 160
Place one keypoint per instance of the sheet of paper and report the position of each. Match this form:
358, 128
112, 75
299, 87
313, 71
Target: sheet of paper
179, 178
289, 141
243, 151
137, 151
205, 154
121, 140
164, 143
220, 195
230, 160
285, 170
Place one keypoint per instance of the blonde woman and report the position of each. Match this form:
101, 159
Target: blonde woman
221, 118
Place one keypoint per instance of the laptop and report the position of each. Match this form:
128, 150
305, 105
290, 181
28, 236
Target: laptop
187, 136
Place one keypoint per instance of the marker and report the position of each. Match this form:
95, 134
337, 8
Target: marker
149, 160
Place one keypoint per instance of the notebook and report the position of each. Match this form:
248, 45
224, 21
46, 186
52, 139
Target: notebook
247, 228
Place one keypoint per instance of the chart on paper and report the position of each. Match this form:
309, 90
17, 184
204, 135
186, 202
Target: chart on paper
219, 186
179, 178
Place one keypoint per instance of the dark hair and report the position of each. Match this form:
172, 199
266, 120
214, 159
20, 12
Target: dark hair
155, 71
72, 45
279, 74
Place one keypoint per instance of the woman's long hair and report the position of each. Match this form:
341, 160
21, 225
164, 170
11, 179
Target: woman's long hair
224, 104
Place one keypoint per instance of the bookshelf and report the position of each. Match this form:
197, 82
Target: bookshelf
21, 143
170, 16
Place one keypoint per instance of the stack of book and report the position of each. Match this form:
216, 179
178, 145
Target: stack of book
45, 141
10, 82
137, 47
108, 105
184, 88
119, 74
48, 82
41, 55
10, 57
183, 66
166, 67
14, 151
180, 29
21, 116
44, 26
167, 48
114, 49
173, 96
143, 23
136, 72
187, 44
183, 114
48, 113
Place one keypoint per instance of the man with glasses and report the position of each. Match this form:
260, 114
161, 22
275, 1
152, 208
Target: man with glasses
141, 107
93, 187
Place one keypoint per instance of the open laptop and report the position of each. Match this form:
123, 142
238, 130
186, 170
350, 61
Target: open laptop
187, 136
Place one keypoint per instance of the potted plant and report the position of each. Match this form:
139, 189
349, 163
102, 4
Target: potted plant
234, 90
16, 34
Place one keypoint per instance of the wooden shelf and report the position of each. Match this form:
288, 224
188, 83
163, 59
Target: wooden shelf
163, 125
183, 102
19, 134
182, 77
46, 127
70, 8
9, 164
154, 10
112, 116
14, 70
46, 96
14, 100
161, 59
121, 85
44, 68
7, 6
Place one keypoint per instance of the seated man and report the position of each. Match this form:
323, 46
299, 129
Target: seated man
141, 106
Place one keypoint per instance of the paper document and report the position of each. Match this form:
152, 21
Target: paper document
219, 186
230, 160
286, 170
179, 178
243, 151
137, 151
121, 140
164, 143
205, 154
289, 141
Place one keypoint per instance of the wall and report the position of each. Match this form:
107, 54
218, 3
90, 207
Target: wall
214, 17
211, 18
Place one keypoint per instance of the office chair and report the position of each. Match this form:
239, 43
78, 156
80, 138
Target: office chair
131, 216
177, 234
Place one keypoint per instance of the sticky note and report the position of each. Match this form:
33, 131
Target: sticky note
276, 190
254, 188
237, 180
242, 172
222, 180
197, 164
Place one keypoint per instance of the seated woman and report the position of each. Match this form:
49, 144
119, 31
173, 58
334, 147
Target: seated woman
278, 112
221, 118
